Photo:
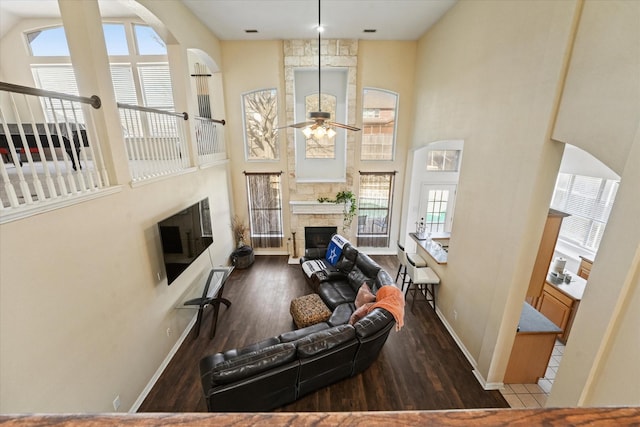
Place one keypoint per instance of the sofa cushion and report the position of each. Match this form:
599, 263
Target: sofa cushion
367, 265
348, 259
364, 296
301, 333
249, 364
325, 340
341, 314
357, 278
334, 293
230, 354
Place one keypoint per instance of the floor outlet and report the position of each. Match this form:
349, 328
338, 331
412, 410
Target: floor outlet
116, 403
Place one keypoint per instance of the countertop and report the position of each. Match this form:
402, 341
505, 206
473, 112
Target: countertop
434, 250
574, 289
534, 322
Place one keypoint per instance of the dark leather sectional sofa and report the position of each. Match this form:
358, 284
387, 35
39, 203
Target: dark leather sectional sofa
280, 369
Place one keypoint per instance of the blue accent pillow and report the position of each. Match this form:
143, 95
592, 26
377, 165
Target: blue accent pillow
334, 250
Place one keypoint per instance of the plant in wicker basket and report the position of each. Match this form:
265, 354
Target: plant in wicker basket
239, 228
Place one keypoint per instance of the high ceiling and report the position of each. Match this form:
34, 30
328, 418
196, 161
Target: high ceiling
276, 19
298, 19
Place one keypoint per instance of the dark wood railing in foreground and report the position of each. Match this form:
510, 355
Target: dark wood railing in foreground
462, 418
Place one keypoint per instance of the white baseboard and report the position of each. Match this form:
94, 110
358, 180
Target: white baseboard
145, 392
293, 261
483, 382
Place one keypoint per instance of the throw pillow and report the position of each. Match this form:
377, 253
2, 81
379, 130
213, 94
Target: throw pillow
334, 250
359, 313
364, 296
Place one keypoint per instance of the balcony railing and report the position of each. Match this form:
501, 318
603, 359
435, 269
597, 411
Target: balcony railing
209, 140
45, 161
155, 141
50, 150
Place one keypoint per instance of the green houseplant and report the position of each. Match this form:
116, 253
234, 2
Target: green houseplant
350, 206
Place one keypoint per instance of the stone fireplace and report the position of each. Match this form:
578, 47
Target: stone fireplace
305, 210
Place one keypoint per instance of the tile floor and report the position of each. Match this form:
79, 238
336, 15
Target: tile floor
535, 395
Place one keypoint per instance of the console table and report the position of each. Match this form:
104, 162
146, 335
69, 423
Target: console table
211, 295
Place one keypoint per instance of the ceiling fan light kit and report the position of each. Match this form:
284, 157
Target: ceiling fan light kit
318, 126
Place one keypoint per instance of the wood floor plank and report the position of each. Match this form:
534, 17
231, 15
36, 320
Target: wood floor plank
419, 367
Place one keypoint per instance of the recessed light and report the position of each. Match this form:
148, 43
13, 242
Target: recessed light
370, 30
250, 31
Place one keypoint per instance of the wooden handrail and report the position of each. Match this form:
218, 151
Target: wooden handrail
626, 416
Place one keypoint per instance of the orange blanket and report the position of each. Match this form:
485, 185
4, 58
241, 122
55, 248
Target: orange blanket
391, 299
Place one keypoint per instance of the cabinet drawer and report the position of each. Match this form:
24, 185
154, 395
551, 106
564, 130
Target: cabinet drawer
558, 294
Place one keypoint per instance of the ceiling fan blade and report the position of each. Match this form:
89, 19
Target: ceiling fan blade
340, 125
298, 125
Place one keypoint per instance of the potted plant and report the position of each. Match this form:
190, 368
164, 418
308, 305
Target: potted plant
239, 228
350, 206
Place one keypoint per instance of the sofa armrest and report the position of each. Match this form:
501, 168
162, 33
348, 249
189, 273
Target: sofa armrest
373, 322
314, 253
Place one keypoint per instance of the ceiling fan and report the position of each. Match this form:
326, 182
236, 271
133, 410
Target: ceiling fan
319, 124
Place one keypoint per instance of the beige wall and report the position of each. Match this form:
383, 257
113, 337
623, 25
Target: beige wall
83, 313
488, 74
246, 67
600, 113
492, 73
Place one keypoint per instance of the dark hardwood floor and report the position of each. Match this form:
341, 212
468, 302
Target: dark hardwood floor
419, 368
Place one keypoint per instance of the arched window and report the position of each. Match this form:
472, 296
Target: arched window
260, 114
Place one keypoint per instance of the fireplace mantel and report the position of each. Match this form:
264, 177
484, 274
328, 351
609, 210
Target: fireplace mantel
316, 208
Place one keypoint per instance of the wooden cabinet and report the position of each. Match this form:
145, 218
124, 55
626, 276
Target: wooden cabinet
531, 349
558, 307
585, 267
545, 253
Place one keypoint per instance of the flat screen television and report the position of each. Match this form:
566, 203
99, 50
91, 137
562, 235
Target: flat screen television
184, 236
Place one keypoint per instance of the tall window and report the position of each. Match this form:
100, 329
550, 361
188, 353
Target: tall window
589, 201
141, 77
260, 112
374, 208
378, 124
265, 209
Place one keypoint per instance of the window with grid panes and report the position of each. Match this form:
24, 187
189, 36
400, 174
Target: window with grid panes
265, 209
374, 209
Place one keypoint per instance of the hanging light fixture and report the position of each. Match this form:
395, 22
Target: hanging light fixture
320, 128
318, 124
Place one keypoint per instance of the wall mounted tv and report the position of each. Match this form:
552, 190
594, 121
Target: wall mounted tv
184, 236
